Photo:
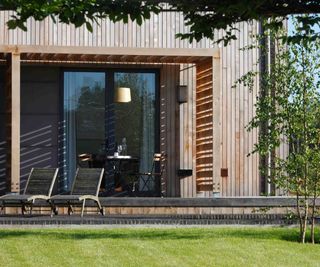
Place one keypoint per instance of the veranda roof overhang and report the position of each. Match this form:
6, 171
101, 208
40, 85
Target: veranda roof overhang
73, 54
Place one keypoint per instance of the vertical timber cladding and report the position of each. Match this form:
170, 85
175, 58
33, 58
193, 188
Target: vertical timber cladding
13, 122
169, 80
207, 180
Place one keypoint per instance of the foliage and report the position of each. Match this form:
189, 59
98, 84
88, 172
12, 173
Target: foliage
89, 115
202, 16
77, 12
289, 109
156, 247
128, 116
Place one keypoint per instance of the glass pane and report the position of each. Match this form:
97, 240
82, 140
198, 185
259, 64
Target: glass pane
136, 120
84, 117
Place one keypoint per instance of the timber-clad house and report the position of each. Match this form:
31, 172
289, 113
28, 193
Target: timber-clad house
57, 87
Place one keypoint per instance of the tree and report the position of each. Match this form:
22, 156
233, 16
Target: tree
203, 16
290, 109
89, 115
129, 124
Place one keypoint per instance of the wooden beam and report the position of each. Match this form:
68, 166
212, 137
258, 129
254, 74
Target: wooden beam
152, 59
70, 57
32, 56
112, 58
99, 58
13, 122
59, 57
112, 54
139, 58
84, 57
120, 51
127, 58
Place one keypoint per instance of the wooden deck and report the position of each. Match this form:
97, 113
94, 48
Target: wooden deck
172, 207
225, 202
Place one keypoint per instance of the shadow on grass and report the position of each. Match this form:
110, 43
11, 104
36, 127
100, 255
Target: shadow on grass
284, 234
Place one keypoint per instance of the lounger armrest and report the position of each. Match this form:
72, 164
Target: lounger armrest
35, 197
85, 197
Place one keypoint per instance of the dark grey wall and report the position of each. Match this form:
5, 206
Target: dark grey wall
2, 134
39, 120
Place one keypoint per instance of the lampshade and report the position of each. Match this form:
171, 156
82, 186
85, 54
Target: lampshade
122, 95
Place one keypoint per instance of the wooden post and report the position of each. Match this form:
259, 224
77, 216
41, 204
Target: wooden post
216, 124
13, 122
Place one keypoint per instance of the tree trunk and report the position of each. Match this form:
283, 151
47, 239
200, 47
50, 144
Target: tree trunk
313, 214
312, 229
300, 217
305, 221
304, 229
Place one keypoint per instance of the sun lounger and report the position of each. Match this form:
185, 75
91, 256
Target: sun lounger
85, 187
38, 188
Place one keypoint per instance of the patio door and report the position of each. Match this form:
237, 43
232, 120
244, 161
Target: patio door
83, 117
137, 121
95, 124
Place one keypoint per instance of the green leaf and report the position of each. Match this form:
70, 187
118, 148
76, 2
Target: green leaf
89, 26
139, 20
12, 24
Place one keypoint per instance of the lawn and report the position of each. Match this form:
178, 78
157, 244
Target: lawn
156, 247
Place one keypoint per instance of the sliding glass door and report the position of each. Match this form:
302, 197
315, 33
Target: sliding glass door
94, 124
136, 121
84, 115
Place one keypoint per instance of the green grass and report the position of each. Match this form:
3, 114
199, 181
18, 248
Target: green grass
156, 247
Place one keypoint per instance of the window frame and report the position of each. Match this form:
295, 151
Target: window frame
109, 93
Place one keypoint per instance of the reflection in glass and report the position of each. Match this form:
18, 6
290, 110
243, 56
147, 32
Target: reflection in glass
84, 117
135, 120
131, 125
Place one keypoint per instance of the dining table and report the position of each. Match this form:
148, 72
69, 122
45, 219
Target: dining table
120, 166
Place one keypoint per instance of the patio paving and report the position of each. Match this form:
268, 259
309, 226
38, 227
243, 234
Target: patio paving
232, 219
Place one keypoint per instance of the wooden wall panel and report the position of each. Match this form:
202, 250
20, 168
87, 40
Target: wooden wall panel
159, 31
3, 143
236, 105
169, 80
204, 128
237, 109
187, 120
